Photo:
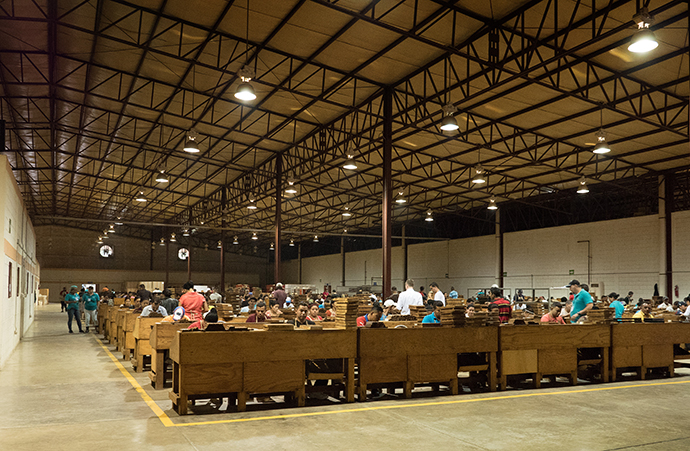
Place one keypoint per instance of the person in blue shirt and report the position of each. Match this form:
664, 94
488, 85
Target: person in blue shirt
453, 294
72, 301
582, 302
435, 316
619, 308
91, 300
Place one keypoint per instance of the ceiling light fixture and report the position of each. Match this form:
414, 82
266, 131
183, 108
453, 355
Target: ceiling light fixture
400, 199
100, 240
644, 40
220, 244
172, 238
245, 91
252, 205
350, 162
272, 247
601, 146
492, 204
292, 243
254, 237
234, 240
582, 189
140, 196
347, 213
112, 228
191, 145
316, 238
429, 216
478, 175
105, 235
449, 123
161, 177
162, 243
291, 186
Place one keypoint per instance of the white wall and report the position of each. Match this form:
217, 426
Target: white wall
625, 256
18, 241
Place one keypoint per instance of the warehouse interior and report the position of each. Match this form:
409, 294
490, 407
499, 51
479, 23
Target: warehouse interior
342, 145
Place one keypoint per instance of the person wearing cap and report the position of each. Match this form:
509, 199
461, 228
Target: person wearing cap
72, 301
194, 303
373, 315
259, 315
91, 300
582, 301
435, 316
279, 294
408, 298
388, 309
154, 307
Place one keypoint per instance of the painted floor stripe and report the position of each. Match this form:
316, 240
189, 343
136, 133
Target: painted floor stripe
167, 422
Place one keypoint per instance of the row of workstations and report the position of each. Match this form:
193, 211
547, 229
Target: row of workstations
236, 364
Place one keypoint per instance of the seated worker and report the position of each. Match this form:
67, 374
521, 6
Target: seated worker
274, 311
388, 309
210, 317
373, 315
244, 307
259, 315
155, 307
301, 315
177, 315
435, 316
469, 310
554, 315
330, 313
503, 305
618, 307
314, 312
644, 312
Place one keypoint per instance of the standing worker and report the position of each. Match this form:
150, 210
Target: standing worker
582, 302
91, 300
72, 301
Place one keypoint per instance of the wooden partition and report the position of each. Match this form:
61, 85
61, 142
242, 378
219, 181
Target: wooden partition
160, 339
550, 350
237, 363
128, 341
421, 355
112, 324
142, 346
102, 317
646, 345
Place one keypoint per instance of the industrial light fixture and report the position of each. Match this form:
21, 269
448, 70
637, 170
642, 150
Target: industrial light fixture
191, 146
234, 240
291, 186
161, 177
254, 237
582, 189
112, 228
119, 218
347, 213
449, 123
185, 232
162, 243
344, 230
400, 198
492, 204
601, 146
350, 162
220, 244
292, 243
644, 40
272, 247
105, 235
140, 196
252, 205
100, 240
478, 175
245, 91
172, 238
429, 216
316, 238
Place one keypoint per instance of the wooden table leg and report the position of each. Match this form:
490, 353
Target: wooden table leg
139, 359
573, 377
453, 384
407, 389
492, 371
605, 370
537, 380
643, 372
362, 392
301, 396
671, 370
350, 380
158, 369
242, 401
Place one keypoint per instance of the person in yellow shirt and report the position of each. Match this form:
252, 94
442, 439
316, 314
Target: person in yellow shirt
644, 312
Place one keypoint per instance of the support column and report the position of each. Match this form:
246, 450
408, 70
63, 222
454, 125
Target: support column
499, 250
189, 263
404, 246
387, 224
278, 225
222, 261
167, 263
342, 260
666, 234
153, 247
299, 262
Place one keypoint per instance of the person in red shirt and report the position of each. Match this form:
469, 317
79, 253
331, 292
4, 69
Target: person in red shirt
503, 305
194, 303
314, 312
554, 315
373, 315
259, 315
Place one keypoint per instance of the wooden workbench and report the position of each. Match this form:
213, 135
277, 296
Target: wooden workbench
102, 317
421, 355
128, 341
238, 363
160, 339
550, 350
142, 345
646, 345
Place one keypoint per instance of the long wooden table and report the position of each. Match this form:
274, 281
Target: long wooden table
142, 346
128, 341
421, 355
646, 345
238, 363
160, 339
550, 350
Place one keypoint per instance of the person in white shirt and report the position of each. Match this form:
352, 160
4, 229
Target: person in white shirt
154, 307
216, 297
409, 297
438, 294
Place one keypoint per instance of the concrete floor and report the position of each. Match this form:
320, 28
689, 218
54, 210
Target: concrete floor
66, 393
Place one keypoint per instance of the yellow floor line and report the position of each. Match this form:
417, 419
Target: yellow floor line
167, 422
145, 396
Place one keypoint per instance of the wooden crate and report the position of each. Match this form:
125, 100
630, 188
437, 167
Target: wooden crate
241, 363
420, 355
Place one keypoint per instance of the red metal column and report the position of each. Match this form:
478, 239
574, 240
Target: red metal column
167, 263
387, 224
189, 263
279, 200
224, 200
668, 206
